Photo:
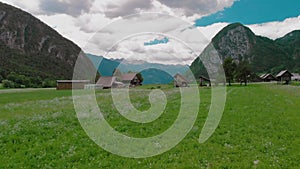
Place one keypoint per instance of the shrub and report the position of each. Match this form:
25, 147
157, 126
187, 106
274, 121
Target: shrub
20, 81
8, 84
36, 82
48, 83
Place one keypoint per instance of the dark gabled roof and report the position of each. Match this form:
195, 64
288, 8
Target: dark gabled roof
283, 72
263, 75
205, 78
106, 81
128, 76
180, 76
267, 75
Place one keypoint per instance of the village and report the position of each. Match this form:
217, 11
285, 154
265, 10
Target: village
132, 80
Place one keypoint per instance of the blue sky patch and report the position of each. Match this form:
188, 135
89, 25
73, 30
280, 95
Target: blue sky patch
157, 41
254, 12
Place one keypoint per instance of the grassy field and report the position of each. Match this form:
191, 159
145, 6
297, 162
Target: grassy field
260, 129
294, 83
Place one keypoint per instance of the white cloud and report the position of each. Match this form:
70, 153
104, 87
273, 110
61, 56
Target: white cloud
83, 21
149, 26
133, 48
92, 22
210, 31
272, 30
95, 25
66, 26
69, 7
126, 7
276, 30
32, 7
202, 7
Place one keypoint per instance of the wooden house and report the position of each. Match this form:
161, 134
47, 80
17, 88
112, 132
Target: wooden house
131, 79
255, 78
71, 84
296, 77
284, 77
107, 82
268, 77
180, 81
204, 81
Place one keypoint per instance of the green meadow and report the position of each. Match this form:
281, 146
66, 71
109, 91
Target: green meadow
260, 128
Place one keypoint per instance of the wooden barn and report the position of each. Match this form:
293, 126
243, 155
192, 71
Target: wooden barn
284, 77
71, 84
106, 82
268, 77
131, 79
204, 81
180, 81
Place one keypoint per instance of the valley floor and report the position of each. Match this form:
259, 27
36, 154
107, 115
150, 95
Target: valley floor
259, 129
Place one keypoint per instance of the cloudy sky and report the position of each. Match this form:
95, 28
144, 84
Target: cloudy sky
163, 31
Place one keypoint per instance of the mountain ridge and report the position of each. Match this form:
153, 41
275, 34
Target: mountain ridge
31, 48
153, 73
265, 55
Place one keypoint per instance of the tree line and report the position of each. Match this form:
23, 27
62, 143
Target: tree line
238, 71
14, 80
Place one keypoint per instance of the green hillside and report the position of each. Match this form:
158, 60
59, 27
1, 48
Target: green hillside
32, 49
264, 55
291, 44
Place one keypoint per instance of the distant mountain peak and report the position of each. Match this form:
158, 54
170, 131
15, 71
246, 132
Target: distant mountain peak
235, 27
235, 40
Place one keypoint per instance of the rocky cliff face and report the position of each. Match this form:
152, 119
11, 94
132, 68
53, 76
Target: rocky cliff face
30, 47
235, 42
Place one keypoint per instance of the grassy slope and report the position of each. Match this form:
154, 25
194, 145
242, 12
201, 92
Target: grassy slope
40, 130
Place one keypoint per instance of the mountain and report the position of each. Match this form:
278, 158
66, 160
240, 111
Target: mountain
291, 44
152, 73
31, 48
265, 55
156, 76
105, 66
